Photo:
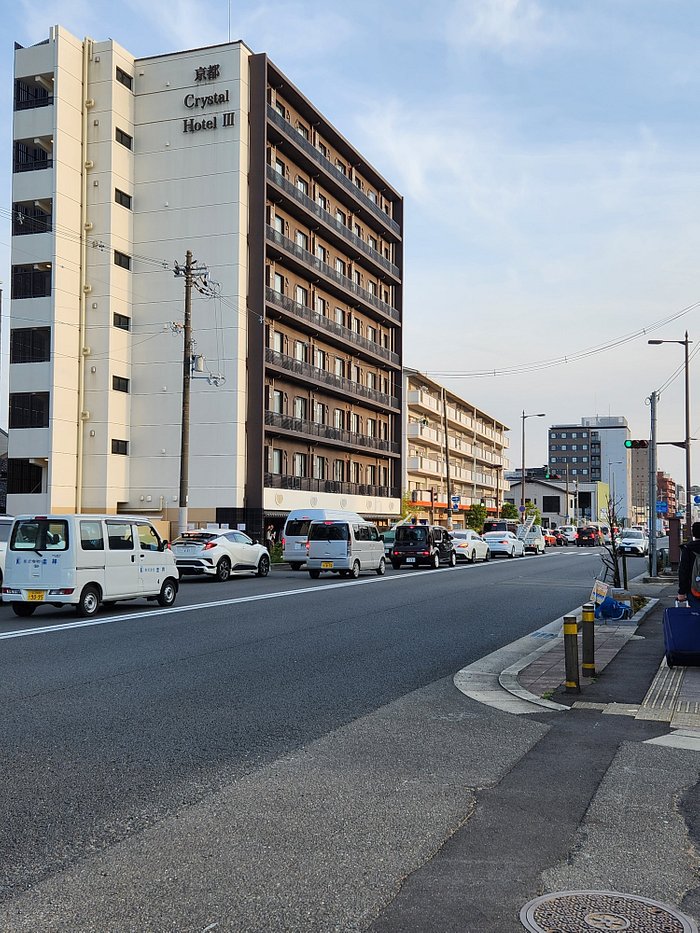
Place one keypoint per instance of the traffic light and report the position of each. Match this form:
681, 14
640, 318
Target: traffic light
546, 471
637, 445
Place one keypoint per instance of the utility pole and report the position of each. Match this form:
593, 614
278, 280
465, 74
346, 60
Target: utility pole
447, 459
653, 399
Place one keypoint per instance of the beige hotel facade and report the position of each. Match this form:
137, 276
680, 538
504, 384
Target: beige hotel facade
121, 165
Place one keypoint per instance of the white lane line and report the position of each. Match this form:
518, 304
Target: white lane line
149, 613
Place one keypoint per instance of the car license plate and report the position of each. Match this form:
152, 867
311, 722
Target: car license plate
35, 596
186, 550
298, 546
326, 565
410, 560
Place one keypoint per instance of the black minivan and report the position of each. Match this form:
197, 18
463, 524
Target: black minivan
427, 545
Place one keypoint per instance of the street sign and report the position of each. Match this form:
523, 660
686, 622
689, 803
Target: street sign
521, 508
696, 500
662, 507
456, 500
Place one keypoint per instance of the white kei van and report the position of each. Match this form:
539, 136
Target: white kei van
296, 530
344, 547
86, 561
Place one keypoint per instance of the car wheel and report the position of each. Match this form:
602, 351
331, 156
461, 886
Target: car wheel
396, 564
89, 601
263, 566
435, 561
355, 570
314, 574
23, 609
295, 566
168, 592
223, 570
453, 559
472, 558
512, 553
381, 569
487, 556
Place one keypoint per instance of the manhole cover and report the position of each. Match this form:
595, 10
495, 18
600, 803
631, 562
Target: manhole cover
587, 911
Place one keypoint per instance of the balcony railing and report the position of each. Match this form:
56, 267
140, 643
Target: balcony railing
328, 432
32, 103
31, 165
331, 327
310, 260
307, 484
310, 205
318, 157
320, 376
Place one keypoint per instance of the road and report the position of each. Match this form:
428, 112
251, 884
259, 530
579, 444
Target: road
116, 726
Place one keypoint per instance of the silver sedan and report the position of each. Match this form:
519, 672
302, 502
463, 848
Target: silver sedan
504, 542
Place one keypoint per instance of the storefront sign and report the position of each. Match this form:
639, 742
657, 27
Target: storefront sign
202, 103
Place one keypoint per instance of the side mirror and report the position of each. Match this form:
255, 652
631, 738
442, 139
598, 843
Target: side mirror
164, 545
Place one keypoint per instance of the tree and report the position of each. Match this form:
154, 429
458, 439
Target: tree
406, 504
611, 556
476, 516
531, 509
509, 510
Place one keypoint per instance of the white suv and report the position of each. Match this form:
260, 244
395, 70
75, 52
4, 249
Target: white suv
569, 532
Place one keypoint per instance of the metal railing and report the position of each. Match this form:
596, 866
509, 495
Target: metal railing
31, 165
317, 156
31, 103
310, 260
310, 205
307, 484
320, 376
327, 431
325, 323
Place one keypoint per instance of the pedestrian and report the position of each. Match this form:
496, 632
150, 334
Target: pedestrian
270, 538
689, 571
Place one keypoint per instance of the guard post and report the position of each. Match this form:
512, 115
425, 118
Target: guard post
588, 640
571, 681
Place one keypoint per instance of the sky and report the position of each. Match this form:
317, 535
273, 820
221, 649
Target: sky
547, 152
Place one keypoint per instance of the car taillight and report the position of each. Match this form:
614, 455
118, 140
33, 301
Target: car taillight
307, 544
208, 545
284, 543
425, 553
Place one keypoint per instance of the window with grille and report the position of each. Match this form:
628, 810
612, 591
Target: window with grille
120, 447
121, 321
123, 138
30, 344
29, 410
120, 384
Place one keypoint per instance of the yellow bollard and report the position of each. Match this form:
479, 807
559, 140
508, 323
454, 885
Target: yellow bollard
588, 640
571, 655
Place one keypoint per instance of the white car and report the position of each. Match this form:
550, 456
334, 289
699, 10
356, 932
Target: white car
633, 542
5, 526
504, 542
569, 532
470, 546
219, 554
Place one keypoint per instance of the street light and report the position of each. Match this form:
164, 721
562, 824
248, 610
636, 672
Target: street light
522, 475
611, 488
688, 517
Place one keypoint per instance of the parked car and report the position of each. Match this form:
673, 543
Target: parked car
569, 532
633, 542
86, 561
423, 545
589, 536
218, 554
560, 538
469, 545
344, 547
550, 539
504, 542
533, 539
296, 531
5, 526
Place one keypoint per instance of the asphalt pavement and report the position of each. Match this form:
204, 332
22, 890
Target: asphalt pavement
282, 761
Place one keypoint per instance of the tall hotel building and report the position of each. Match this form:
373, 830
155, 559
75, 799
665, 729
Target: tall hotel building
121, 166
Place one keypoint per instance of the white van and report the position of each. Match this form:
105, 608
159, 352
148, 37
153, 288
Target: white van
86, 561
344, 547
296, 530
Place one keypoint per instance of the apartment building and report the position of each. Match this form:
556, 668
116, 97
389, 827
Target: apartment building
639, 477
455, 453
122, 165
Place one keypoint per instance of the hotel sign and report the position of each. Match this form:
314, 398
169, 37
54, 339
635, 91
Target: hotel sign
203, 102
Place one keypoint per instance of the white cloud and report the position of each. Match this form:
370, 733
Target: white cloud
498, 24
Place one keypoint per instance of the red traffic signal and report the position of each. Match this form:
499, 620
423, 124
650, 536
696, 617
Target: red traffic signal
636, 445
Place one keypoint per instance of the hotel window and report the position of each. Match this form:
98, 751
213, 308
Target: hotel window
122, 260
339, 419
121, 321
356, 325
320, 467
320, 305
355, 423
302, 240
371, 380
371, 333
371, 288
278, 401
299, 464
319, 410
278, 283
302, 185
339, 367
355, 472
29, 410
300, 407
372, 196
372, 242
120, 384
123, 138
319, 358
124, 78
340, 267
357, 229
321, 253
322, 149
281, 168
277, 460
371, 427
340, 316
279, 107
356, 373
322, 201
339, 471
120, 447
301, 295
302, 130
122, 198
341, 167
300, 351
371, 475
357, 277
30, 344
340, 217
279, 224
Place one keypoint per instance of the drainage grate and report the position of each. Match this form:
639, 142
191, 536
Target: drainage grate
587, 911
